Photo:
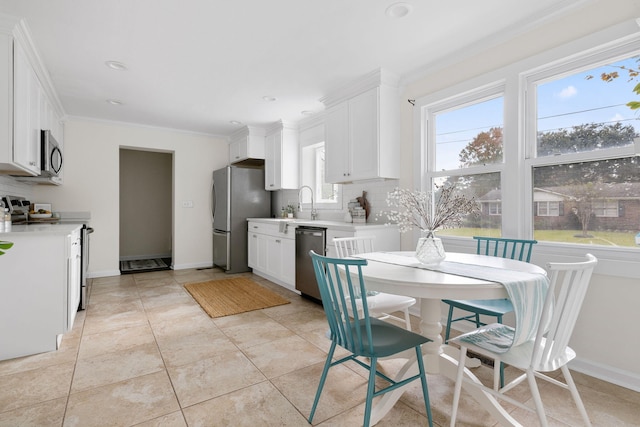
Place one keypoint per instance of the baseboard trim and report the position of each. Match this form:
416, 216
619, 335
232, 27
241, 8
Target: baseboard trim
606, 373
602, 372
103, 273
193, 265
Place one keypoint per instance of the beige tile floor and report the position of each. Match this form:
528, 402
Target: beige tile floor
145, 354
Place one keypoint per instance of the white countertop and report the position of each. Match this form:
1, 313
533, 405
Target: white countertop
334, 225
50, 229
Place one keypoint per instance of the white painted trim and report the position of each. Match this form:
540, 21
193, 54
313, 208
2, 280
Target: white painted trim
607, 373
192, 265
138, 125
279, 282
102, 273
379, 77
531, 23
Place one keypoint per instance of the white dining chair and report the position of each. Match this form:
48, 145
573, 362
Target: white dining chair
548, 351
380, 304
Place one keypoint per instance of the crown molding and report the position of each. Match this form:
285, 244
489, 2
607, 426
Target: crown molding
376, 78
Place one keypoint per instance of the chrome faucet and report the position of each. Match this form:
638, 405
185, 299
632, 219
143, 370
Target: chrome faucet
314, 213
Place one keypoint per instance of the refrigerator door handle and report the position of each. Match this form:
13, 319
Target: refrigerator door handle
213, 199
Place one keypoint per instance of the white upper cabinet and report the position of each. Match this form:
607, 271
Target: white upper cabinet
26, 113
247, 143
337, 154
281, 157
362, 131
26, 106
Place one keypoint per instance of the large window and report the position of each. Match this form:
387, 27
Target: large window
468, 152
549, 146
583, 153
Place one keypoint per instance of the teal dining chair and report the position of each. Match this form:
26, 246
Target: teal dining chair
340, 280
518, 249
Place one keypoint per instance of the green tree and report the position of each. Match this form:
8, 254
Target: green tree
584, 195
485, 148
585, 137
632, 74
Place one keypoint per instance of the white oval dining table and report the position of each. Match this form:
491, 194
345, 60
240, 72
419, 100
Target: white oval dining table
431, 287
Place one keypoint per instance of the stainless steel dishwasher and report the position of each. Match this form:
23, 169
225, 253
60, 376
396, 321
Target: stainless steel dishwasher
307, 239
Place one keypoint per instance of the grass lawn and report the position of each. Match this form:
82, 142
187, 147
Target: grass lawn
603, 238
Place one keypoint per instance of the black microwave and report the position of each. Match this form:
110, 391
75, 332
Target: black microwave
51, 155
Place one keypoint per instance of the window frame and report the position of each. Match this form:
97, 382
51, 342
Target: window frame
607, 206
548, 211
519, 162
430, 175
311, 135
495, 208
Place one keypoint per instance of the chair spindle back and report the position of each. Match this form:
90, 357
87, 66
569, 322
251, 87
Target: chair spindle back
568, 286
518, 249
349, 246
339, 293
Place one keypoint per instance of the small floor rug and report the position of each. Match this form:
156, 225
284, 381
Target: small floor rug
232, 296
139, 265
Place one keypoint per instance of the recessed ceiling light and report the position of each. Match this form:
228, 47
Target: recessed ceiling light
114, 102
115, 65
269, 98
235, 122
306, 112
399, 10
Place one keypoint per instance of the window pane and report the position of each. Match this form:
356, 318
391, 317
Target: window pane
588, 111
470, 135
485, 188
312, 169
327, 193
589, 203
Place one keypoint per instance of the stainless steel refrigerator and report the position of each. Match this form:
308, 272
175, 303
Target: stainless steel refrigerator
237, 193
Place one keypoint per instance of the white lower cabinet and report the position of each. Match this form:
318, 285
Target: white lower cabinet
272, 253
40, 288
74, 266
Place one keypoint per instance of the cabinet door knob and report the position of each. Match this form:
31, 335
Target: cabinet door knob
277, 241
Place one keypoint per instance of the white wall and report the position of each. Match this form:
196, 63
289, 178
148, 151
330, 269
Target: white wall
91, 181
606, 337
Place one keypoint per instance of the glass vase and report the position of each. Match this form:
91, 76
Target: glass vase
430, 250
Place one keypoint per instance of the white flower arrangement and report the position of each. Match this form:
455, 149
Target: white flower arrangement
415, 208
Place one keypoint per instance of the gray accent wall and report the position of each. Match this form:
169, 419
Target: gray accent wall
145, 204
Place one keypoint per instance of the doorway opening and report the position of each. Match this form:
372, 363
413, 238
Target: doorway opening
146, 210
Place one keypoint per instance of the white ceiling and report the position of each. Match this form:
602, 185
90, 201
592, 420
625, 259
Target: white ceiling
196, 65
